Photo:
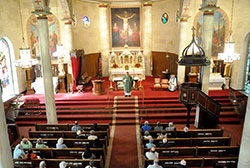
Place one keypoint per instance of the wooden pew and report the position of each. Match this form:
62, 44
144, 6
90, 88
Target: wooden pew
67, 127
70, 143
197, 162
193, 133
198, 151
201, 141
68, 153
54, 163
63, 134
154, 124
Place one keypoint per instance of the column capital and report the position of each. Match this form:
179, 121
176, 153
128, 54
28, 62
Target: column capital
184, 18
209, 6
41, 13
103, 5
67, 20
147, 4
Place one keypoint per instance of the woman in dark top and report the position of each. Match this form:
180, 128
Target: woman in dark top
97, 143
87, 154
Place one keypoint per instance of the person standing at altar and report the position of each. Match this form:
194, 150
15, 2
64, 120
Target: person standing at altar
127, 84
172, 83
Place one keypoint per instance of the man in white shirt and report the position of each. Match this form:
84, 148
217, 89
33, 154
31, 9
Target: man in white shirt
155, 165
152, 154
92, 136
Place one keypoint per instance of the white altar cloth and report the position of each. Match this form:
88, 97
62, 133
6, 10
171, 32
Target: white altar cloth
216, 81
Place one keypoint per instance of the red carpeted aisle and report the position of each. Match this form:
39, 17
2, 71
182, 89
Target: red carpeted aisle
124, 148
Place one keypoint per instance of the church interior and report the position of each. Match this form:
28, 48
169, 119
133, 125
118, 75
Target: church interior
124, 83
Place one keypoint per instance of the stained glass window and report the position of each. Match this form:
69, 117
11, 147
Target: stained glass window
85, 21
6, 77
164, 18
247, 75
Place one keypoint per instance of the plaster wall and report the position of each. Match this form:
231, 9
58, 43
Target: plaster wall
86, 38
165, 36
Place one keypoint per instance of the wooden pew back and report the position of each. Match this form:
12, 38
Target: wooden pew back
193, 133
201, 141
54, 163
197, 162
198, 151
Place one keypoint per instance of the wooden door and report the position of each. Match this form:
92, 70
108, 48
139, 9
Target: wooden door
163, 61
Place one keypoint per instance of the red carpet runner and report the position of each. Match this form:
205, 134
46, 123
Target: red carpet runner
124, 150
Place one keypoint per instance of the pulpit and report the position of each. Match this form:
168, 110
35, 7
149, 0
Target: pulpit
98, 88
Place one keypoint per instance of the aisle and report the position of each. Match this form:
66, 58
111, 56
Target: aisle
124, 151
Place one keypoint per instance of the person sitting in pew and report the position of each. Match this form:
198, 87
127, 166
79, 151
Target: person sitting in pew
62, 164
170, 127
158, 127
91, 165
76, 127
183, 164
186, 133
162, 134
147, 135
92, 135
30, 155
150, 144
18, 152
40, 144
79, 135
60, 144
97, 143
146, 126
95, 127
165, 143
26, 144
155, 165
42, 164
152, 154
87, 154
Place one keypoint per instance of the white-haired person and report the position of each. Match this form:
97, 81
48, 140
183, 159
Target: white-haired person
92, 135
183, 164
186, 133
152, 154
42, 164
60, 144
79, 135
62, 164
162, 134
146, 126
170, 127
155, 165
147, 135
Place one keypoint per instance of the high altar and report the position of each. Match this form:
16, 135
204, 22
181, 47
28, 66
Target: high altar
124, 61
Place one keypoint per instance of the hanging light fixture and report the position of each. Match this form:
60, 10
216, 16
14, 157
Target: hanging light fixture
25, 61
229, 55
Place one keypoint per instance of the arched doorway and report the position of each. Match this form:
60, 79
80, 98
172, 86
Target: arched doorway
6, 69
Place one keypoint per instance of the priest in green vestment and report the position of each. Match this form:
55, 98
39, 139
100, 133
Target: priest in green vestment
127, 84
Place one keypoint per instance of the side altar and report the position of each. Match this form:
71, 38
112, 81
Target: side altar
124, 61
